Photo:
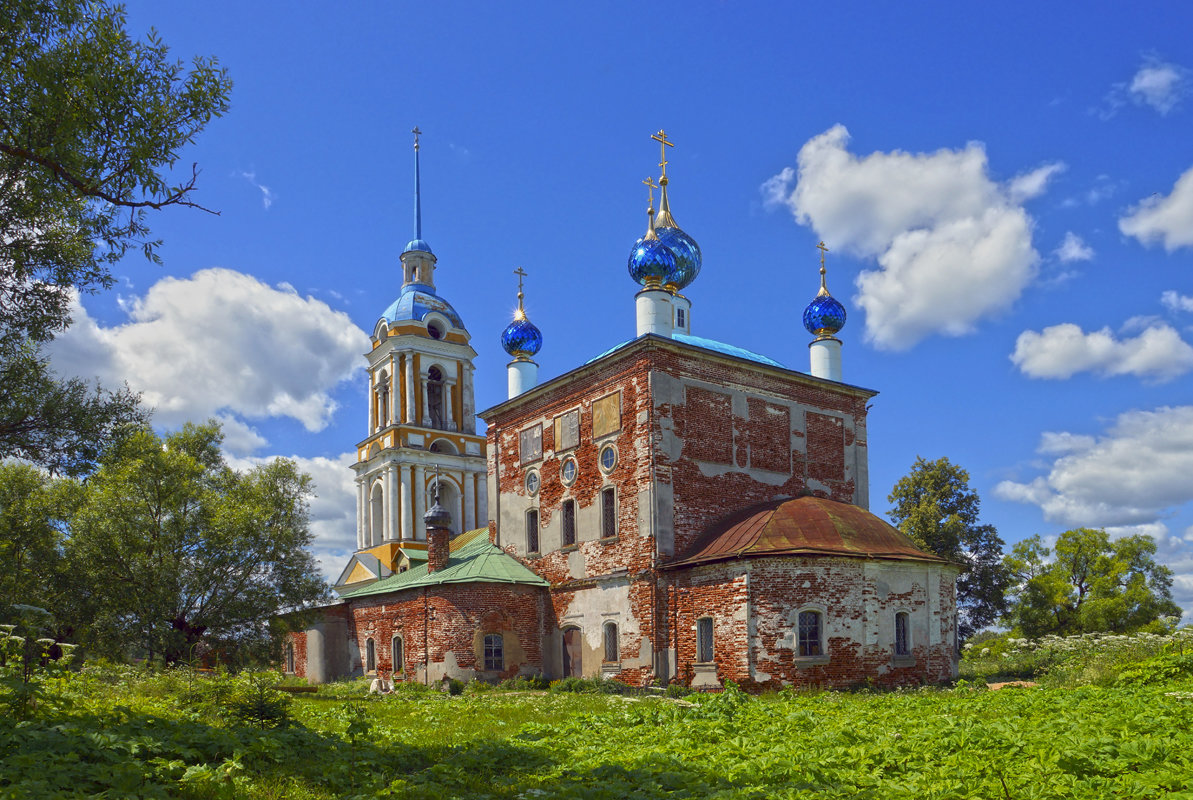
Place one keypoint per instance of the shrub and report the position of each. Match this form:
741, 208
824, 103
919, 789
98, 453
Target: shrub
1162, 669
591, 686
525, 683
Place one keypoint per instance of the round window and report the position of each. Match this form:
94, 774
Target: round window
434, 330
608, 458
532, 481
568, 473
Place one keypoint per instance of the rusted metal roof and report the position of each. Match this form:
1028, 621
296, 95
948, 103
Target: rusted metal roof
802, 526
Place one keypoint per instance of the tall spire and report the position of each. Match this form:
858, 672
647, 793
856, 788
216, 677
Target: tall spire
664, 219
418, 203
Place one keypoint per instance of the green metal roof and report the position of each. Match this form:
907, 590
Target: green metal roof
475, 561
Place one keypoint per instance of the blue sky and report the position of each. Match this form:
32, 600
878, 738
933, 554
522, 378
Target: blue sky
1006, 191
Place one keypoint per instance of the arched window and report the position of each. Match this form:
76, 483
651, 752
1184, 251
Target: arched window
902, 634
611, 646
376, 515
290, 657
435, 410
532, 530
704, 644
810, 631
569, 523
494, 652
370, 656
397, 655
608, 513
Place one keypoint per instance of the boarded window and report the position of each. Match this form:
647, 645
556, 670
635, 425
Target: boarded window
902, 646
567, 430
611, 647
530, 444
494, 652
397, 654
708, 426
826, 447
704, 648
606, 415
532, 531
809, 633
569, 523
608, 513
370, 656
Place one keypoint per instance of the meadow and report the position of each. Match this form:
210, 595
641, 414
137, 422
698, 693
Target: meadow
118, 732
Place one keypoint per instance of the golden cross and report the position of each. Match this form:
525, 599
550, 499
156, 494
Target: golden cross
521, 273
417, 133
661, 138
823, 249
650, 183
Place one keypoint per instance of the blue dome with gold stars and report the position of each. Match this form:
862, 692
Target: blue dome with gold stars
651, 262
824, 316
521, 339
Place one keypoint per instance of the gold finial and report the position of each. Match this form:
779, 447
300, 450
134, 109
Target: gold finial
823, 285
651, 186
521, 273
661, 138
417, 133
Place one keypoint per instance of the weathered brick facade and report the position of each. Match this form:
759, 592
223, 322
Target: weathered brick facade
604, 482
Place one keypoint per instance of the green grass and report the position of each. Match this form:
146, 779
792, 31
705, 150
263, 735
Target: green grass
122, 735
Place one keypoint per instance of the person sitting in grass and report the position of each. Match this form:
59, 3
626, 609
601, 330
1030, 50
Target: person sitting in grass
380, 684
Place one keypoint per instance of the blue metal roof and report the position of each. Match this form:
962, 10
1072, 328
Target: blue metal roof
415, 302
706, 344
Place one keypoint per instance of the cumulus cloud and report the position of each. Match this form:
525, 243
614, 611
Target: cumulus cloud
1061, 351
220, 343
333, 508
1159, 84
1174, 301
1074, 248
266, 192
1166, 220
952, 245
1133, 474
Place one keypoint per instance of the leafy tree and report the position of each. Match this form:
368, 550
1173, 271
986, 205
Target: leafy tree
171, 547
934, 505
33, 510
90, 124
1093, 584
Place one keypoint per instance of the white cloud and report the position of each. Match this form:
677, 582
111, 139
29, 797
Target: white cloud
952, 245
1158, 84
1034, 183
1061, 351
1074, 248
1167, 220
220, 342
266, 192
1174, 301
333, 508
1133, 474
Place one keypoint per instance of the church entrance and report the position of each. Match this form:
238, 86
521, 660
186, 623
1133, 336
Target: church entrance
573, 656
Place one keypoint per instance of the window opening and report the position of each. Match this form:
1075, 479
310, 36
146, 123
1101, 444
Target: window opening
611, 652
290, 657
370, 656
568, 471
434, 330
809, 633
608, 458
397, 656
532, 531
679, 318
901, 645
608, 513
704, 644
569, 522
435, 397
494, 652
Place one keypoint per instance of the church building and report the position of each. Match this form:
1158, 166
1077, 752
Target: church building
676, 509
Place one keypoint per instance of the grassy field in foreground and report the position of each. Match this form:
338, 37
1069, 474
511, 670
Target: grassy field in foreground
132, 737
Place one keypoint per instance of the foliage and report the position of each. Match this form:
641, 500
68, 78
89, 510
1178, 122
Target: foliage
591, 686
27, 659
90, 125
134, 738
33, 510
934, 505
1092, 584
173, 548
524, 683
1159, 670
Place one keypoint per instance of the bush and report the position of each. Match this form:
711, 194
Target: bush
525, 683
591, 686
1162, 669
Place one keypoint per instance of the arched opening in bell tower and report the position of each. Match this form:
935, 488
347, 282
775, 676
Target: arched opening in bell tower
376, 516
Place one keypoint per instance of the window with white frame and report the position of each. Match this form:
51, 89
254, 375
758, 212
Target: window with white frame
612, 652
569, 523
902, 634
608, 513
811, 628
532, 530
704, 642
494, 652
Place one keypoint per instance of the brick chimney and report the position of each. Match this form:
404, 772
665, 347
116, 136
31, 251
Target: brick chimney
438, 522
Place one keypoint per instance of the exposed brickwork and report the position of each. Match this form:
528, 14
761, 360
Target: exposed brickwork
437, 548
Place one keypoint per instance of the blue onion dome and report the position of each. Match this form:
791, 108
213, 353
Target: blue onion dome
521, 339
824, 316
651, 262
687, 257
417, 244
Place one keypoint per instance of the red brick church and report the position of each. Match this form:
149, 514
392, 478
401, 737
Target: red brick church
674, 510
